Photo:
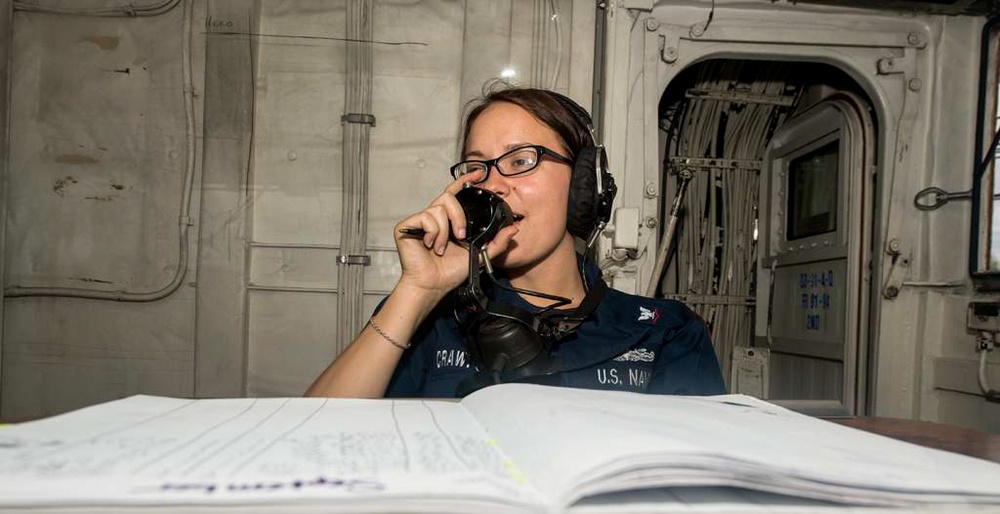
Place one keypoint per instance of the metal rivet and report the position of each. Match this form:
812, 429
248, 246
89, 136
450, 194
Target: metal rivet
669, 54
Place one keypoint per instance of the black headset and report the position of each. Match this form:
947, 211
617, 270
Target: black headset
507, 343
592, 188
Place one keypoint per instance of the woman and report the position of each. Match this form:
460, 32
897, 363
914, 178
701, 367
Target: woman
414, 345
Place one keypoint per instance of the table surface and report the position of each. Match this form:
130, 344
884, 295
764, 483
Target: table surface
967, 441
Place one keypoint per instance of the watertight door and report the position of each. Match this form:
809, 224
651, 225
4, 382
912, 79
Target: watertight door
812, 277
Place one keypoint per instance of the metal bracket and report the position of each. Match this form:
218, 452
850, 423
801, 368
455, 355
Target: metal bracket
354, 260
691, 164
709, 299
902, 64
745, 97
669, 47
899, 253
639, 5
367, 119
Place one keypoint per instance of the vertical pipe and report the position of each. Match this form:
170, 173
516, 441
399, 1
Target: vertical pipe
357, 121
6, 42
600, 44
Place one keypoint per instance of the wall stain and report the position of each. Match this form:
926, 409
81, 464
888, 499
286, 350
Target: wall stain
75, 158
118, 187
107, 198
59, 186
92, 280
103, 42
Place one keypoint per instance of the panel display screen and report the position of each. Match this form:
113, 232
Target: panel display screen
812, 192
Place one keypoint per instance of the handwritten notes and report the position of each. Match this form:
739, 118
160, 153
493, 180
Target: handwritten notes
161, 449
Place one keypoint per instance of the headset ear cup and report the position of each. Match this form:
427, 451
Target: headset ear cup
605, 199
583, 201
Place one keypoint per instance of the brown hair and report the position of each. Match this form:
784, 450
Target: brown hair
549, 107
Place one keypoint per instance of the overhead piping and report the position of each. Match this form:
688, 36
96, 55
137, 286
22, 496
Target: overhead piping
129, 10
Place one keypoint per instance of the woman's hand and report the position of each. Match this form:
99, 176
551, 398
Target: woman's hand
436, 263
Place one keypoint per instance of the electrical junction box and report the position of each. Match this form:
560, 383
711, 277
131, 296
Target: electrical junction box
626, 228
625, 282
750, 371
984, 317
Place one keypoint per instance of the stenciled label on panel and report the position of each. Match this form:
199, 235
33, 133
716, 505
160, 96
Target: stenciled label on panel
810, 301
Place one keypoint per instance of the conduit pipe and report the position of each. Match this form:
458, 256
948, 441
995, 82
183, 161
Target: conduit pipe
128, 10
985, 346
668, 237
357, 122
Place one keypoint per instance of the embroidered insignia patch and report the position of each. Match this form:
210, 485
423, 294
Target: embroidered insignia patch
648, 314
637, 355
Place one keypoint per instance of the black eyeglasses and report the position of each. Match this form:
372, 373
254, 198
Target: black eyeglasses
515, 162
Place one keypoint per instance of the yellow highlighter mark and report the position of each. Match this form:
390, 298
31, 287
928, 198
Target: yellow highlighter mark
512, 468
515, 473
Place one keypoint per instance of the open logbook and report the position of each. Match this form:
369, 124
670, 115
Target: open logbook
507, 448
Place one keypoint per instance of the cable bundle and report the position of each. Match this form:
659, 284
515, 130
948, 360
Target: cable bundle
716, 253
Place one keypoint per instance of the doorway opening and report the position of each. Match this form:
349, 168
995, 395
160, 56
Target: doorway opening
767, 242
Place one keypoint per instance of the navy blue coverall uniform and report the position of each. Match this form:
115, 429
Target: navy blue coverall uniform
629, 343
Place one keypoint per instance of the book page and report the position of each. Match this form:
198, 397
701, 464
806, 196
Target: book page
570, 442
161, 450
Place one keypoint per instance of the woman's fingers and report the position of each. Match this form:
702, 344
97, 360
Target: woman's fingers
448, 211
437, 222
421, 221
465, 181
501, 242
443, 217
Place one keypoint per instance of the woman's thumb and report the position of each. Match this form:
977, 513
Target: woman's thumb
501, 242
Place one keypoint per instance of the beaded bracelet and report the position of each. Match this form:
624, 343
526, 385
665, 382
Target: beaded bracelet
397, 344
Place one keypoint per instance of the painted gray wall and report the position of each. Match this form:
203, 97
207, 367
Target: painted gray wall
431, 58
220, 362
96, 167
93, 182
97, 161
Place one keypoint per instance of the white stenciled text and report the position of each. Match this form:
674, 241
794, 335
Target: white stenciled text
452, 359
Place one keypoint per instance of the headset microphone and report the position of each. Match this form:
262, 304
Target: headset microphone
485, 214
498, 339
507, 343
